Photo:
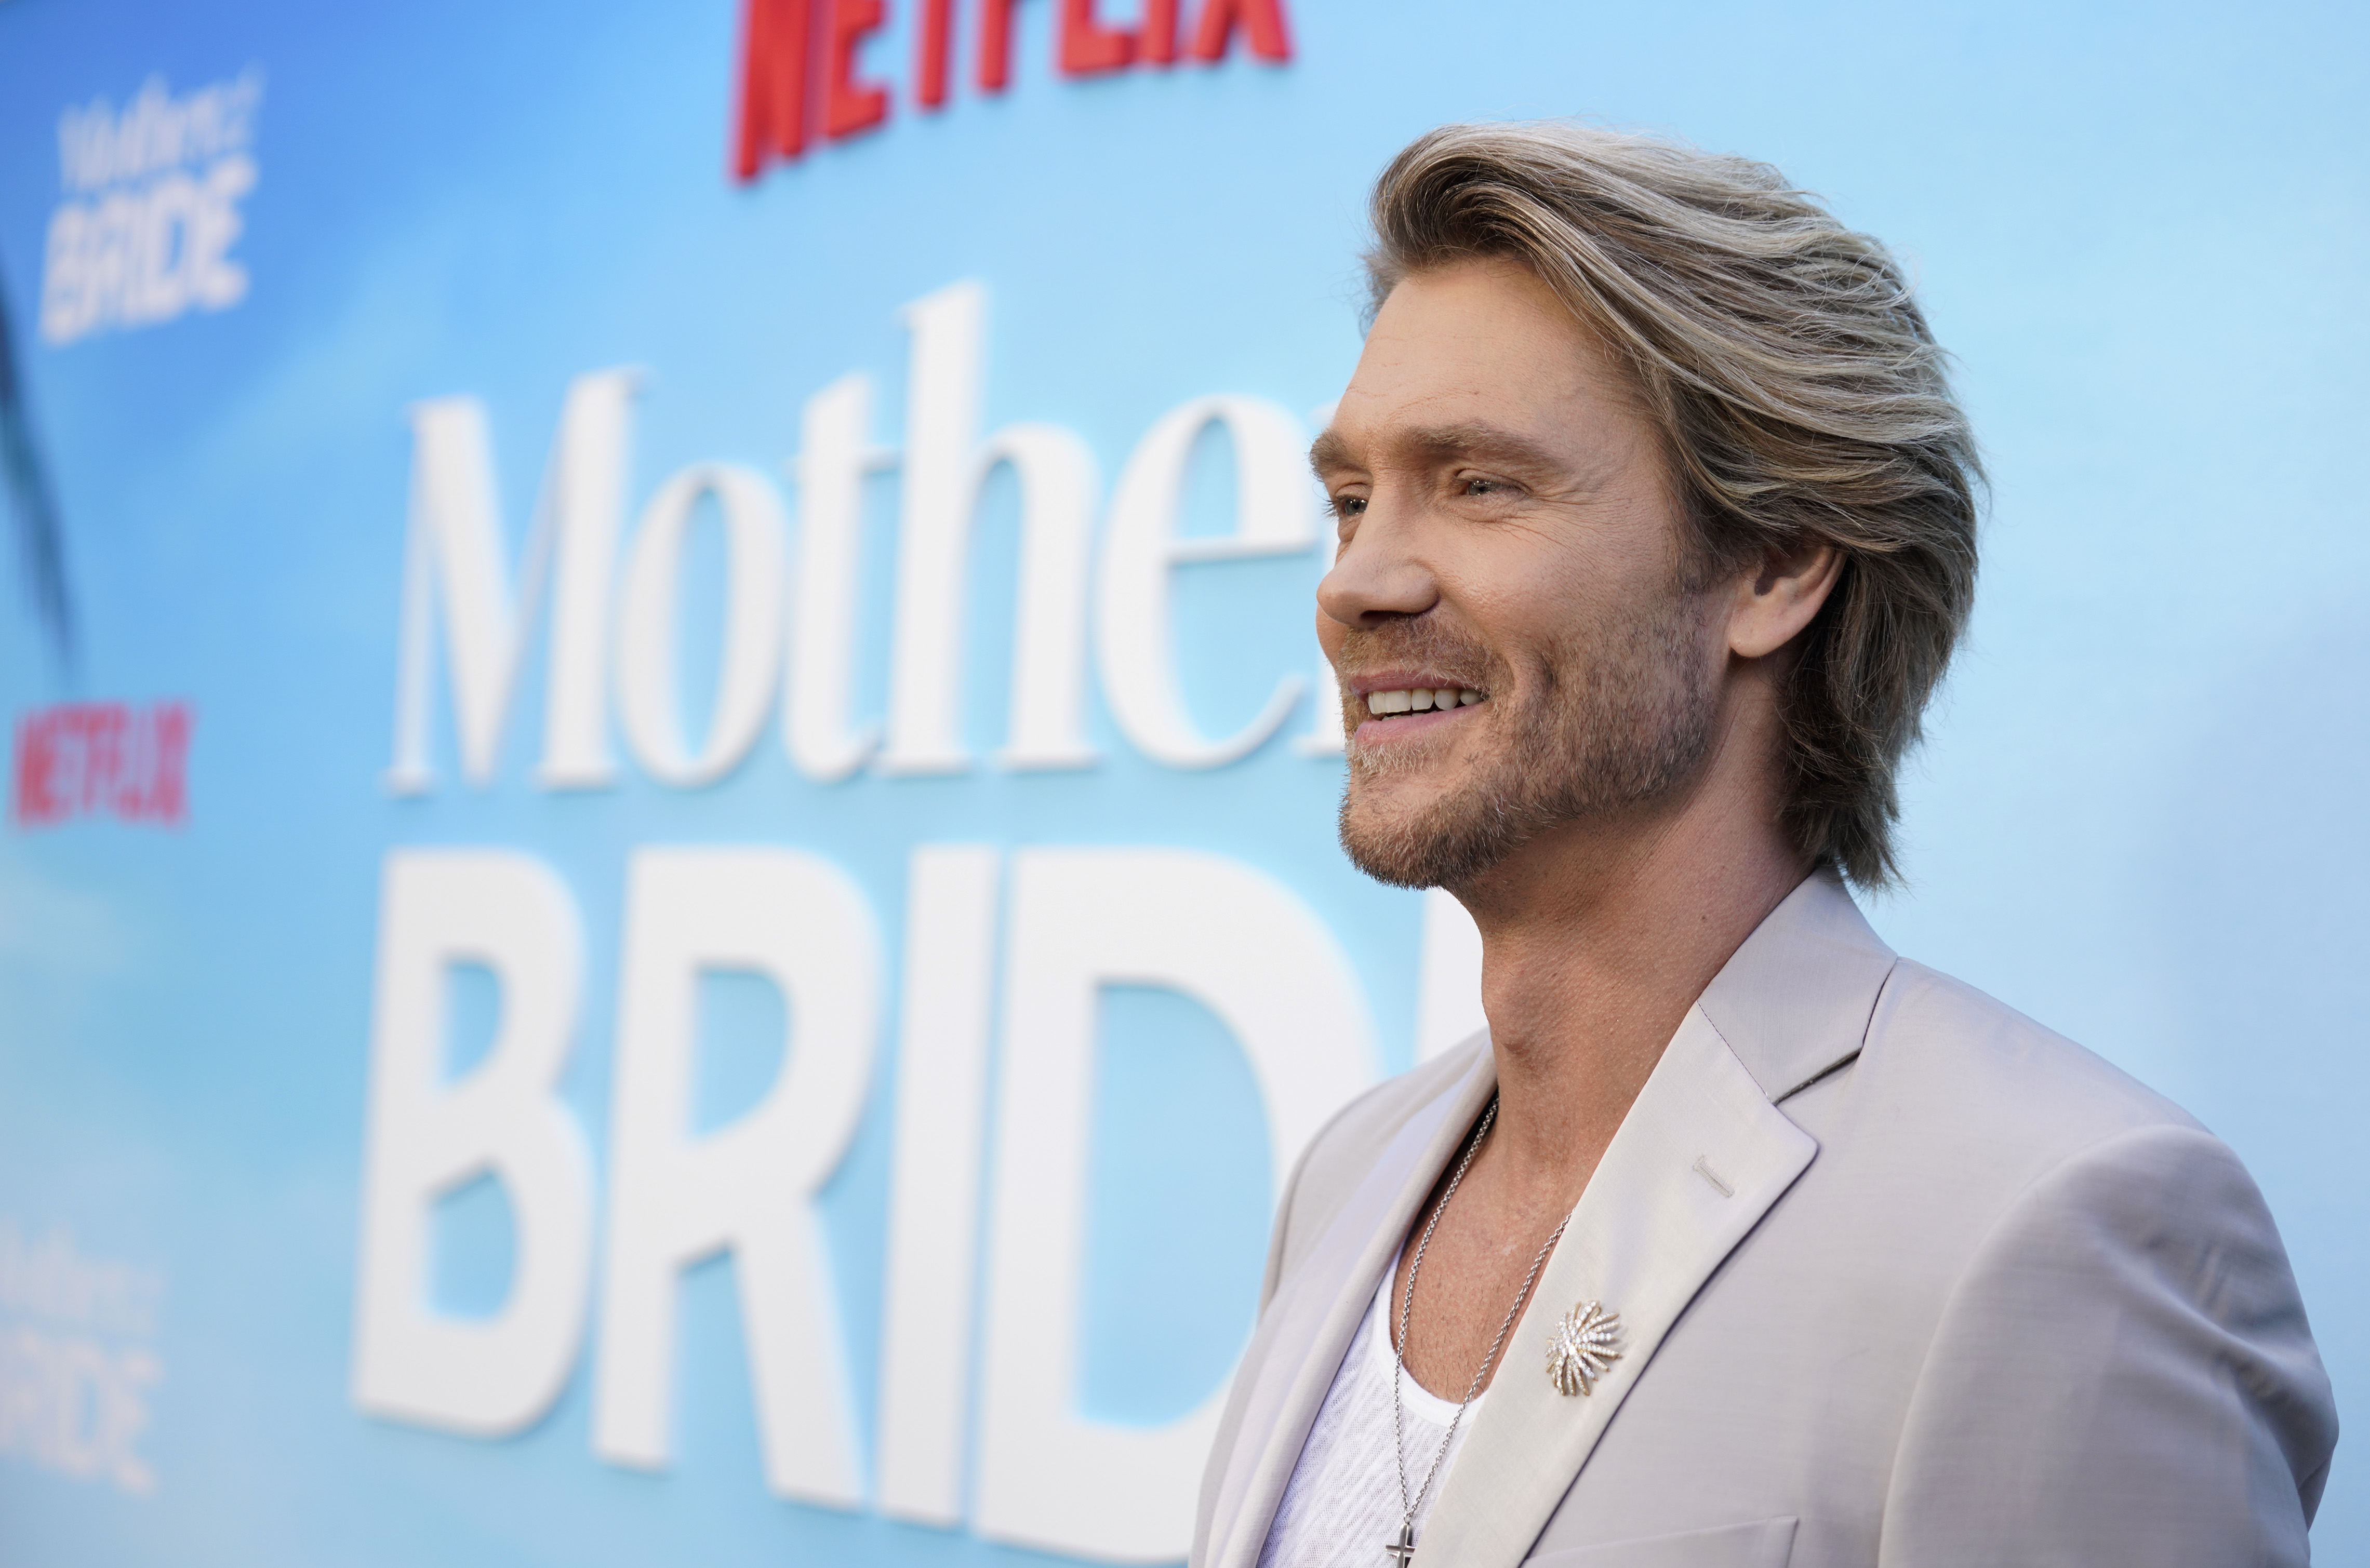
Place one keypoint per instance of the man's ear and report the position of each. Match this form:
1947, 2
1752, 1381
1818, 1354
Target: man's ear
1777, 601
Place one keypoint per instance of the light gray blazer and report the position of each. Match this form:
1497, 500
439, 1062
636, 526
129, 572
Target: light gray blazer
1903, 1278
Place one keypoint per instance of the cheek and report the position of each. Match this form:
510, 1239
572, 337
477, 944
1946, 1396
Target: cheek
1524, 617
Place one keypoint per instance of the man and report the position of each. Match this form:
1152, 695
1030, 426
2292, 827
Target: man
1736, 1239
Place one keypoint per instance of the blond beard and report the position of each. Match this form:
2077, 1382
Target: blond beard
1615, 719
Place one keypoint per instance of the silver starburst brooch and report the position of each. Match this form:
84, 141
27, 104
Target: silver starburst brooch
1580, 1348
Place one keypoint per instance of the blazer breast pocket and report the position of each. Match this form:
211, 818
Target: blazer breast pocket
1765, 1543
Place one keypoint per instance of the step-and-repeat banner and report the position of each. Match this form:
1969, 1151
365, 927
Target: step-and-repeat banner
668, 890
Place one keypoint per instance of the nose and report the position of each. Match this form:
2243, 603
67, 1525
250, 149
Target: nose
1379, 575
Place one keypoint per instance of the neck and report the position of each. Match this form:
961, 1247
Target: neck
1598, 936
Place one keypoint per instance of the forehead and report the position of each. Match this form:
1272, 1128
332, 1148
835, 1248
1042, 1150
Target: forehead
1479, 343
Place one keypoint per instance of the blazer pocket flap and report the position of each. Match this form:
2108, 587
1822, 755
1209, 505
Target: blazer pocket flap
1765, 1543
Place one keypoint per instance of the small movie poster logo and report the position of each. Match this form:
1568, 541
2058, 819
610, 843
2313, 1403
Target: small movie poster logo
152, 207
103, 759
799, 63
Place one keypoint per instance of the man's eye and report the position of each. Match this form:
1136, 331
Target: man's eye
1478, 487
1349, 506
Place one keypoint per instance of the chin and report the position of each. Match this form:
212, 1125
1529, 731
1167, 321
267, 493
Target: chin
1412, 836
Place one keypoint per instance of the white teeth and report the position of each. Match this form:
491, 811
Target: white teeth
1419, 699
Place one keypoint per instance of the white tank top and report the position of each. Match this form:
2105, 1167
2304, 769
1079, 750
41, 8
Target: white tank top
1341, 1507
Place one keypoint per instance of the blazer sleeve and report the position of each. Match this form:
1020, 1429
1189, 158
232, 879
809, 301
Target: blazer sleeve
2123, 1375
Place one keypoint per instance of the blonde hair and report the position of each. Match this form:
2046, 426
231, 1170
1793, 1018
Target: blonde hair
1801, 395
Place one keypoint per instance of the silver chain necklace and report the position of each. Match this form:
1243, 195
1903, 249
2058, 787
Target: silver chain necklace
1402, 1550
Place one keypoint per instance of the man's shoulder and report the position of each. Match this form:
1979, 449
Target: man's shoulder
1959, 1111
1949, 1085
1930, 1038
1939, 1051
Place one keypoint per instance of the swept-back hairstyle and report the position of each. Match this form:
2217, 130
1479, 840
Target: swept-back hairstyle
1799, 394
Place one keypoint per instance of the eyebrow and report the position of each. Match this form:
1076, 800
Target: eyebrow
1329, 451
1434, 444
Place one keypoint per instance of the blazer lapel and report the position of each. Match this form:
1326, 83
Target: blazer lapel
1308, 1327
1794, 1002
1702, 1155
1699, 1159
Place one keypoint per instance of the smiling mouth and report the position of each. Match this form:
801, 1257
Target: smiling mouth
1422, 700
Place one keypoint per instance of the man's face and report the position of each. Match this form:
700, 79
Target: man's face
1509, 534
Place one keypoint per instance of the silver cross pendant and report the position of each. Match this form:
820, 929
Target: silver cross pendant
1402, 1550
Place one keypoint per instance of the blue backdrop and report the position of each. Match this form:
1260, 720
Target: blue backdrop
2140, 816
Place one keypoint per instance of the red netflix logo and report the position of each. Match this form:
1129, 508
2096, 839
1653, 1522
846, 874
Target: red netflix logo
83, 758
799, 59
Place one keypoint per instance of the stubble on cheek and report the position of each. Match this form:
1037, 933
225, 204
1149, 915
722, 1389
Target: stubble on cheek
1599, 722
